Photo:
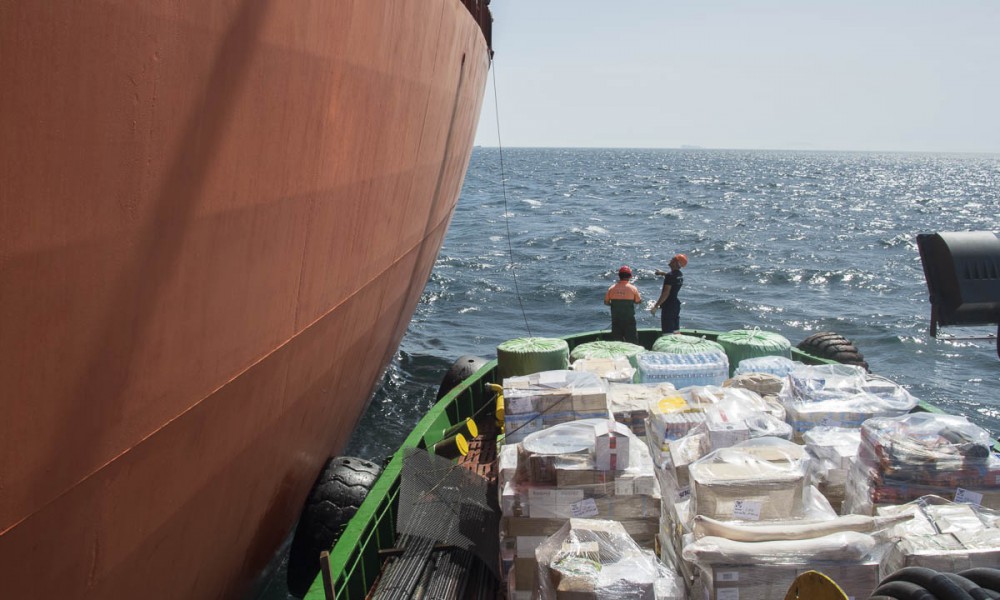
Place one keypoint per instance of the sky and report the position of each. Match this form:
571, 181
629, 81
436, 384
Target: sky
874, 75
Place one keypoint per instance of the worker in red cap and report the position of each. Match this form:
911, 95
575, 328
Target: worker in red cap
670, 318
622, 298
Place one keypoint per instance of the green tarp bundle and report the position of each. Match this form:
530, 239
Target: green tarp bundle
524, 356
740, 344
685, 344
603, 349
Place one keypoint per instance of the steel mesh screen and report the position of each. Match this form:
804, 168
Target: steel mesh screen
448, 504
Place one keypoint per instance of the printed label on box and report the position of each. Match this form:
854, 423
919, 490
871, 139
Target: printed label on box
727, 594
552, 503
727, 576
968, 497
748, 510
584, 508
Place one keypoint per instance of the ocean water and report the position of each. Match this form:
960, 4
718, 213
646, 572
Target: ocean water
791, 242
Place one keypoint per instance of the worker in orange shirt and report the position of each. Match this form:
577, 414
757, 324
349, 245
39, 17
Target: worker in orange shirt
622, 298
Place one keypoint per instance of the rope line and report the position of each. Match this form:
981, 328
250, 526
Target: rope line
503, 187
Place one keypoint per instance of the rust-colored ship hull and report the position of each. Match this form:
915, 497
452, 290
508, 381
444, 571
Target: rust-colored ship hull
216, 219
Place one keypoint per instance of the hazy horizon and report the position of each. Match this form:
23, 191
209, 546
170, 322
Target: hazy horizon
892, 76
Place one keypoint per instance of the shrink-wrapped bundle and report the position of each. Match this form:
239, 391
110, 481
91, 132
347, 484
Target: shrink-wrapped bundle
683, 370
629, 402
920, 446
779, 366
840, 396
759, 479
942, 535
759, 561
618, 370
834, 449
534, 402
741, 344
598, 560
593, 468
903, 458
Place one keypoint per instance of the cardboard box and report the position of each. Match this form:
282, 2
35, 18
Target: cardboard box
611, 446
724, 435
945, 552
770, 582
726, 491
525, 574
643, 531
552, 503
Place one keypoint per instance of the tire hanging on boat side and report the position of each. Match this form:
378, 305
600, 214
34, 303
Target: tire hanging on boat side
460, 370
337, 494
833, 346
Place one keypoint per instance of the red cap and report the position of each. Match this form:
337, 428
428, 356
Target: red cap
624, 270
681, 260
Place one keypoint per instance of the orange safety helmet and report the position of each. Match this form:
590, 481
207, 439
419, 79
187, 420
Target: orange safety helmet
681, 259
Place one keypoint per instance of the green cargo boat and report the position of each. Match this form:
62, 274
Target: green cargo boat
356, 562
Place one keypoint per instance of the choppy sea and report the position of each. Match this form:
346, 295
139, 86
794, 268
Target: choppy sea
790, 242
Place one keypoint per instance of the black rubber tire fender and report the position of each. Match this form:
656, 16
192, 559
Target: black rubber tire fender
460, 370
337, 494
972, 588
833, 346
903, 590
938, 584
984, 577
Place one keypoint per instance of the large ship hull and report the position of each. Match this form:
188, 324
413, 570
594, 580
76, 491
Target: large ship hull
216, 219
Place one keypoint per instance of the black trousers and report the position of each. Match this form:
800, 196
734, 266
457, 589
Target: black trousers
623, 330
670, 318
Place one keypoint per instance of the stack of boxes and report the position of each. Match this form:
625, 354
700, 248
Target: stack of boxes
945, 536
903, 458
587, 444
535, 402
839, 396
683, 370
834, 450
590, 468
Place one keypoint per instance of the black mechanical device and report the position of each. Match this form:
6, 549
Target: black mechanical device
962, 270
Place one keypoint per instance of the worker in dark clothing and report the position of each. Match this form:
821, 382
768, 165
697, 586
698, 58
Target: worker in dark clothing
670, 318
622, 298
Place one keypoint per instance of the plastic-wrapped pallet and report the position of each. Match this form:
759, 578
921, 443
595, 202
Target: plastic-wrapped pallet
835, 449
745, 560
591, 559
741, 344
762, 479
780, 366
629, 402
683, 370
591, 468
534, 402
944, 536
840, 396
903, 458
618, 370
